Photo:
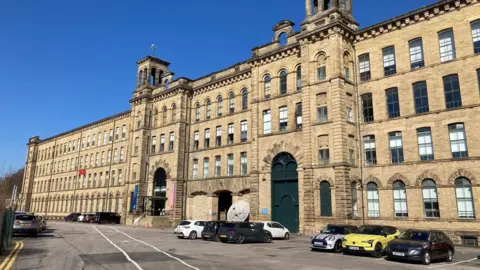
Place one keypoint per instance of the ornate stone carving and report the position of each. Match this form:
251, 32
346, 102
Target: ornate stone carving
160, 164
373, 179
321, 179
461, 173
278, 148
427, 175
396, 177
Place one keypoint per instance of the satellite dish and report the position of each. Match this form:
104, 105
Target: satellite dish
239, 211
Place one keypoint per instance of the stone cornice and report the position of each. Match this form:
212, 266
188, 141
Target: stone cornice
337, 27
413, 17
275, 55
220, 82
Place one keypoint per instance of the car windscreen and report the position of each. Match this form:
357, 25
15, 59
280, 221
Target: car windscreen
334, 230
183, 223
228, 225
370, 230
414, 235
24, 217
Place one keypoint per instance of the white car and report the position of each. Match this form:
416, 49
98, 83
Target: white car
190, 228
331, 237
276, 229
81, 218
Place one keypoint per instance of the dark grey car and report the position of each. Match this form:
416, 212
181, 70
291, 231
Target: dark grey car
240, 232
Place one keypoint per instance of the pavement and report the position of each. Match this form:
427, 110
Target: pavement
89, 246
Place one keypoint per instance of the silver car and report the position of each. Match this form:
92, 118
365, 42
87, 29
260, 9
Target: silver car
331, 237
26, 223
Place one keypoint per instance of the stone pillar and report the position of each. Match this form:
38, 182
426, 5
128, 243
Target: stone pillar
212, 206
139, 78
320, 7
308, 8
157, 78
145, 77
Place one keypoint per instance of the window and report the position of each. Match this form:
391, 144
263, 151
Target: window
162, 142
103, 158
230, 133
124, 133
104, 137
373, 202
416, 54
267, 86
430, 199
400, 199
117, 134
208, 109
218, 166
114, 155
170, 143
298, 74
174, 112
230, 164
393, 105
195, 169
370, 150
321, 67
476, 36
112, 182
243, 163
478, 78
206, 168
396, 148
420, 95
469, 241
135, 151
218, 138
219, 106
231, 103
463, 191
322, 114
451, 86
100, 181
364, 66
351, 156
109, 156
367, 105
447, 45
458, 141
121, 154
243, 131
267, 118
389, 66
110, 138
283, 82
283, 118
325, 200
207, 138
353, 192
96, 159
323, 156
298, 115
282, 39
244, 93
88, 142
196, 139
154, 144
197, 112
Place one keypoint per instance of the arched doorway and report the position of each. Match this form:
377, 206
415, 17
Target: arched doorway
284, 180
159, 192
224, 203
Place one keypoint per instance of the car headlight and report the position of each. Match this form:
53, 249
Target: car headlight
330, 238
368, 242
414, 251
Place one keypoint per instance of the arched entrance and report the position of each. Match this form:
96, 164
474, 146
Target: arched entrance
284, 180
159, 192
224, 203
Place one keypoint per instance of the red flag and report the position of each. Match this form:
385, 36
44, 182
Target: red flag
82, 172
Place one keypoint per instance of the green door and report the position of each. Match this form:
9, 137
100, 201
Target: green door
285, 191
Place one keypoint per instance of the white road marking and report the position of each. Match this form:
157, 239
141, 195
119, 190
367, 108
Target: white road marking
450, 264
165, 253
121, 250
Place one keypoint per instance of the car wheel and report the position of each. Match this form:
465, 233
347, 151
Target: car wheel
449, 255
338, 247
193, 235
180, 237
377, 253
240, 239
286, 236
267, 238
205, 238
426, 258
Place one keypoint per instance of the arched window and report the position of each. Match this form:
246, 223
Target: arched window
164, 115
244, 99
373, 202
430, 199
299, 78
325, 199
174, 112
400, 199
282, 39
219, 106
208, 109
463, 190
267, 85
197, 112
283, 82
353, 192
231, 103
321, 67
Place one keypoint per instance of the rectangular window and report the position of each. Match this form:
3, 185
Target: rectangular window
346, 72
476, 36
416, 54
322, 73
230, 133
196, 139
154, 144
119, 176
420, 95
104, 137
396, 147
298, 115
88, 142
207, 138
267, 118
373, 203
195, 169
400, 200
218, 138
323, 156
112, 182
96, 159
283, 118
458, 140
218, 166
139, 124
135, 151
351, 156
370, 150
93, 142
322, 114
425, 145
115, 155
109, 156
117, 133
364, 66
103, 158
162, 143
367, 106
110, 138
230, 164
99, 141
447, 45
206, 168
124, 132
389, 65
243, 163
100, 180
393, 105
451, 86
349, 114
243, 131
172, 140
122, 156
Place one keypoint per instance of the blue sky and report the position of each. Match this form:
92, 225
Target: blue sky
67, 63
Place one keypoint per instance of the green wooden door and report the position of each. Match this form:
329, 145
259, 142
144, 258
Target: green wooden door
285, 191
325, 200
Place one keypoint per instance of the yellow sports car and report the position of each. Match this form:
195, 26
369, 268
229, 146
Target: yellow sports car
369, 239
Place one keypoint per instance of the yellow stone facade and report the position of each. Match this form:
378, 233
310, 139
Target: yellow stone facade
323, 68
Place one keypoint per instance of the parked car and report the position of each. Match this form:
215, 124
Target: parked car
72, 217
90, 218
43, 221
26, 223
190, 228
276, 229
369, 239
421, 245
331, 237
240, 232
81, 217
211, 229
107, 218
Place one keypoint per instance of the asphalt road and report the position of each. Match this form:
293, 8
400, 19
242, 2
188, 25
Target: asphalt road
86, 246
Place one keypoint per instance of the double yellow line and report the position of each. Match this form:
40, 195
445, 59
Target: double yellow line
12, 256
